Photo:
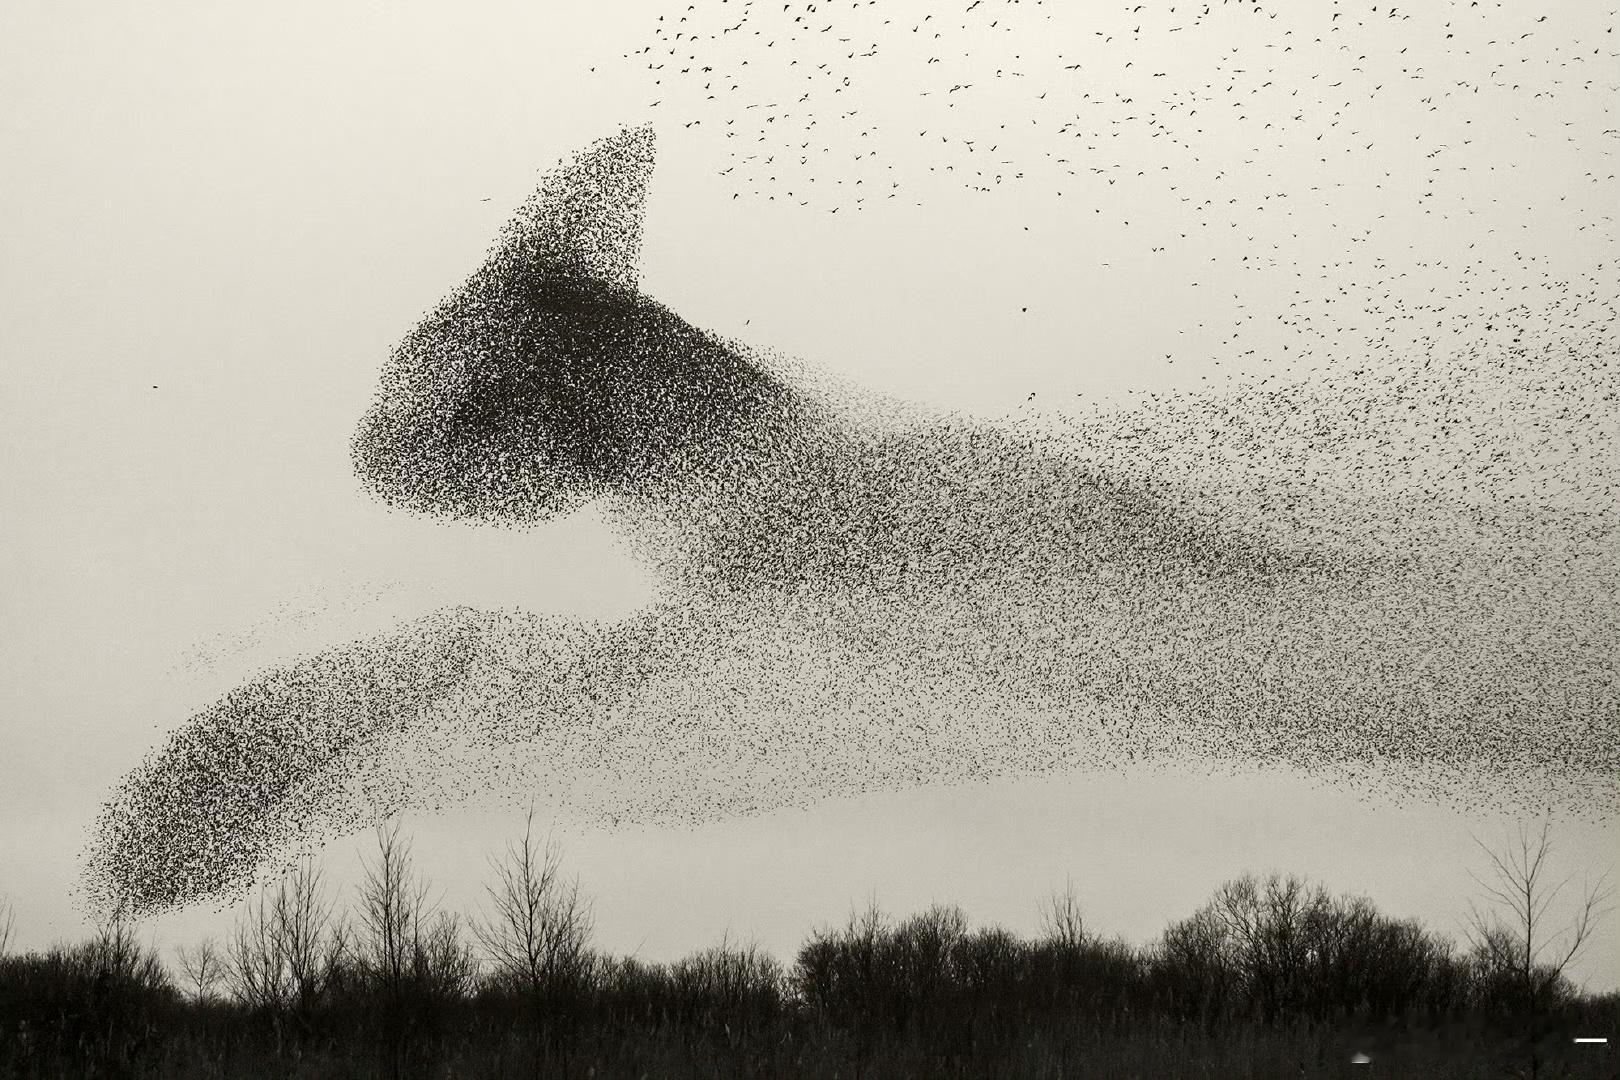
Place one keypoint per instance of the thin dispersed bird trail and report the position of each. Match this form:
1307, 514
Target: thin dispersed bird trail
860, 595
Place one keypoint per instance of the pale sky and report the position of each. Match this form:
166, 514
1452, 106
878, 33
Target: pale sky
215, 221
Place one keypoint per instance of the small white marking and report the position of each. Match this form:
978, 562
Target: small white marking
1361, 1059
1600, 1039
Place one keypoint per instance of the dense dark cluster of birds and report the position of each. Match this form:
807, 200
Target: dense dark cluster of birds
547, 377
860, 595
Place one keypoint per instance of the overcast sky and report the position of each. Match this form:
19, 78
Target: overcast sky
215, 220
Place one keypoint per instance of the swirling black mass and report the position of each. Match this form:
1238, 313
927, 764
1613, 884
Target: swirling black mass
858, 595
547, 380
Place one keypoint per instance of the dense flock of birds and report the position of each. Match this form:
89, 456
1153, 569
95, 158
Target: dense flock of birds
1389, 558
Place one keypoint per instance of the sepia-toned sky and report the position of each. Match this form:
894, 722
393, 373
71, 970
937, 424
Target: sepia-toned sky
215, 220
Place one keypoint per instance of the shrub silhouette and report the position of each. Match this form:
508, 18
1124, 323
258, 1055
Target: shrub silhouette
1278, 949
877, 972
98, 1007
728, 987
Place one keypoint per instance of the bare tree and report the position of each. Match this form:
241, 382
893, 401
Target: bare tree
538, 930
404, 944
288, 945
8, 924
1062, 921
445, 961
1266, 922
203, 966
1193, 960
729, 985
306, 933
393, 907
1522, 936
116, 955
253, 961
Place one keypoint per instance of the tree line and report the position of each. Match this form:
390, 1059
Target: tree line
1273, 974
